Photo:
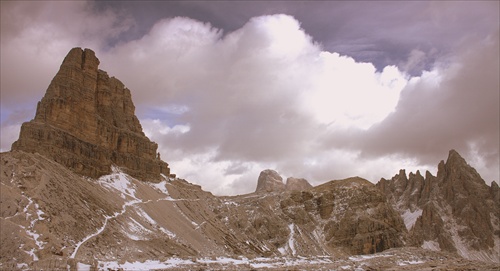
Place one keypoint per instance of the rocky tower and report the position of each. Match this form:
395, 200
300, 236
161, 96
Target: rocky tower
270, 181
454, 211
86, 122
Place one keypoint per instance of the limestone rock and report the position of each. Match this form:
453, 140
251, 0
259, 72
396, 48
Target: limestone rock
269, 181
297, 184
454, 211
174, 217
359, 218
86, 121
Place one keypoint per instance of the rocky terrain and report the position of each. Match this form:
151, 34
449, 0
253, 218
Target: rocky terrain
454, 211
51, 213
83, 189
53, 218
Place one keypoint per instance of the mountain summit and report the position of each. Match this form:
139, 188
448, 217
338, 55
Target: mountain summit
455, 211
86, 122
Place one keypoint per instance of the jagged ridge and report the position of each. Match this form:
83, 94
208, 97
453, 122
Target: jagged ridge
454, 211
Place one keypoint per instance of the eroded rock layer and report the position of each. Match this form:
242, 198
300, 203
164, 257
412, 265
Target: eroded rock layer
454, 211
86, 121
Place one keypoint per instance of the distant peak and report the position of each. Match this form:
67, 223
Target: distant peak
297, 184
269, 181
455, 158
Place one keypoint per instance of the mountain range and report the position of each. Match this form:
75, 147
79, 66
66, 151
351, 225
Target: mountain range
83, 188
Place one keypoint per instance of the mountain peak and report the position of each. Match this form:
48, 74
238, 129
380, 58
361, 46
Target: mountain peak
86, 121
269, 181
456, 196
85, 59
455, 157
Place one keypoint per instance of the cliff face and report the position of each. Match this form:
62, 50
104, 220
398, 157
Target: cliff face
454, 211
349, 215
86, 121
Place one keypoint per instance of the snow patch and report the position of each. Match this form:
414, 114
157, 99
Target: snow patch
431, 245
411, 217
145, 215
120, 181
137, 230
32, 254
83, 267
403, 263
161, 186
30, 230
367, 257
291, 239
101, 229
231, 203
147, 265
170, 234
173, 263
22, 266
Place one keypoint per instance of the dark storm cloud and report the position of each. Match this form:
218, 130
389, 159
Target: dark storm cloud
459, 108
455, 106
379, 32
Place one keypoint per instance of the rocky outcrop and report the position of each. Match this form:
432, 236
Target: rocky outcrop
359, 218
454, 211
86, 121
343, 217
269, 181
297, 184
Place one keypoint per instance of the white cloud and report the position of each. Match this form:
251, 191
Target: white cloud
348, 93
35, 37
252, 98
224, 106
8, 135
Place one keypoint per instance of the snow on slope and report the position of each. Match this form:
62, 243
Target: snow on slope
411, 217
240, 263
28, 210
119, 181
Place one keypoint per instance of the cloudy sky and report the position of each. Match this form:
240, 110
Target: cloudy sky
321, 90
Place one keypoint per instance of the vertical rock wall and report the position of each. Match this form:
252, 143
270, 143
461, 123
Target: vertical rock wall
86, 121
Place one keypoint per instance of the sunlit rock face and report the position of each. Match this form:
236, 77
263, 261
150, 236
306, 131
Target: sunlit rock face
454, 211
86, 121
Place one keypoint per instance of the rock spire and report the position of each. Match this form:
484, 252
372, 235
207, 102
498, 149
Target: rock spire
271, 181
86, 121
455, 211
